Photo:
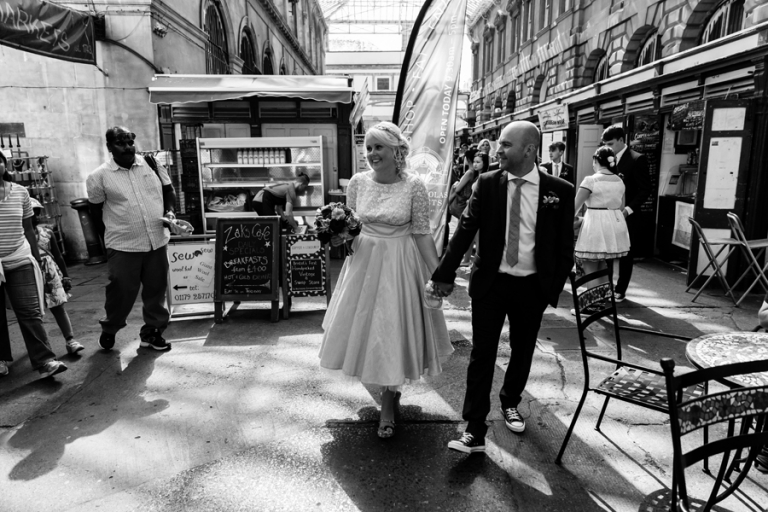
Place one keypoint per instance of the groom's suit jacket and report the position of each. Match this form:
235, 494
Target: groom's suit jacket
486, 213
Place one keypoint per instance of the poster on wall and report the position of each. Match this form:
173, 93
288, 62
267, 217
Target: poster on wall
554, 118
722, 173
681, 232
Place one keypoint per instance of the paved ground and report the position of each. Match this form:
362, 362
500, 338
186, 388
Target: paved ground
239, 417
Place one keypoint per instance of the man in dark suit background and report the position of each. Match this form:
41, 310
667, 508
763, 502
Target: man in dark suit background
633, 170
557, 167
525, 253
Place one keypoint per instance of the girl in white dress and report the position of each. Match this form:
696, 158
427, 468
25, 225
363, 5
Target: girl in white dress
377, 328
604, 234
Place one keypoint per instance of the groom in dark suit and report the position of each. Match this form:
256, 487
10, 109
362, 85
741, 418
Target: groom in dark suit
633, 170
525, 252
556, 167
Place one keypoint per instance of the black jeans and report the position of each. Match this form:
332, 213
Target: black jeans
127, 272
522, 300
634, 226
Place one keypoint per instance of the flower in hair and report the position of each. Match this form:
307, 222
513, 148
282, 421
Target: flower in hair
611, 161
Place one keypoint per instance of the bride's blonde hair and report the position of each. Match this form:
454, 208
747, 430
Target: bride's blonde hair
390, 135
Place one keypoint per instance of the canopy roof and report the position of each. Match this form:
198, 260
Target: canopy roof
204, 88
385, 11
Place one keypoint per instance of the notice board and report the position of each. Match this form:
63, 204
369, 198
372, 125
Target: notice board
247, 260
306, 269
190, 271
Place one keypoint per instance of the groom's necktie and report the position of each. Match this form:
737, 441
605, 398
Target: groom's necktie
513, 236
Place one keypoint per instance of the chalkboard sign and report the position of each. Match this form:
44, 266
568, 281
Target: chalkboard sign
306, 269
247, 260
688, 116
646, 139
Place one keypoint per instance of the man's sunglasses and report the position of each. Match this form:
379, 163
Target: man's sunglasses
123, 139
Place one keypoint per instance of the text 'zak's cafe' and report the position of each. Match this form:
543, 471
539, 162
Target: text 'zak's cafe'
247, 261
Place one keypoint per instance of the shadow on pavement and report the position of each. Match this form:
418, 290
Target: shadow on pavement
88, 410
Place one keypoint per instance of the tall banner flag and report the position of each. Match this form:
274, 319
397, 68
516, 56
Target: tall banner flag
427, 95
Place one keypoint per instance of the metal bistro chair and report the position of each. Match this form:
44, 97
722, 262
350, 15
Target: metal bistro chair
727, 244
748, 404
748, 248
631, 383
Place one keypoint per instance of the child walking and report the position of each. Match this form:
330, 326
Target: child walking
56, 280
604, 235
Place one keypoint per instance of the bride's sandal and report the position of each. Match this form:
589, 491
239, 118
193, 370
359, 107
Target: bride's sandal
386, 429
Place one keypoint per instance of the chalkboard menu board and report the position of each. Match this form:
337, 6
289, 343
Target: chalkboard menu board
646, 139
306, 270
247, 259
688, 116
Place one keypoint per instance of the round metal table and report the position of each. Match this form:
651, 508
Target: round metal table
730, 347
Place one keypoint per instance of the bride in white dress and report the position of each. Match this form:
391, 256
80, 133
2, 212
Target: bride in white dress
377, 328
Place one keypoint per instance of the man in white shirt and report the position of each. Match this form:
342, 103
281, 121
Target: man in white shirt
556, 167
633, 170
524, 221
132, 199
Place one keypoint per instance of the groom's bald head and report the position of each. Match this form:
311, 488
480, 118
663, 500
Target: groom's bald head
518, 147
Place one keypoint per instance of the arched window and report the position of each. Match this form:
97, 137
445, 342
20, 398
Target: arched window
216, 56
248, 53
649, 51
268, 69
725, 20
602, 70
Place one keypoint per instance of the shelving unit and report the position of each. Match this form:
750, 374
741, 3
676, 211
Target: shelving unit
34, 174
222, 175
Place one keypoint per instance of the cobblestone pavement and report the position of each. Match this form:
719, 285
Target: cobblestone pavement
238, 416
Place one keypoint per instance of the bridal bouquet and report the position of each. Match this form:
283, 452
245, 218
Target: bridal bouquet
336, 219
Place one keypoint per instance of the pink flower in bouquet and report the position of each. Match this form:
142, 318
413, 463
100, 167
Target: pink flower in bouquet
338, 214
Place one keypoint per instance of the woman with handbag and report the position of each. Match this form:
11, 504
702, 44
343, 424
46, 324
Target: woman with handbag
461, 191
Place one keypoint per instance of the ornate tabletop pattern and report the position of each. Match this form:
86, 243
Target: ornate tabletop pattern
732, 347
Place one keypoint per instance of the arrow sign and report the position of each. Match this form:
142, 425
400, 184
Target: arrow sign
177, 287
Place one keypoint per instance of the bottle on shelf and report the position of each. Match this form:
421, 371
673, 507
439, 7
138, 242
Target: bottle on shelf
239, 156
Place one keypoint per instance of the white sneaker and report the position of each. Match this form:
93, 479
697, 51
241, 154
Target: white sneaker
513, 420
74, 346
3, 368
51, 368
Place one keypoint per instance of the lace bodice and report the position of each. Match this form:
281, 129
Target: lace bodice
607, 191
395, 204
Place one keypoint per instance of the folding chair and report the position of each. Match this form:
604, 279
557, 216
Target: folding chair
748, 404
727, 244
748, 248
629, 382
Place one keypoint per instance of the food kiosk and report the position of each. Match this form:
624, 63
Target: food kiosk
232, 135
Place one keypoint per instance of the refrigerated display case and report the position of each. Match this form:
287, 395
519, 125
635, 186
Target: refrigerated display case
233, 170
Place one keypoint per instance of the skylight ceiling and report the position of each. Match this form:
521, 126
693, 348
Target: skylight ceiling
373, 12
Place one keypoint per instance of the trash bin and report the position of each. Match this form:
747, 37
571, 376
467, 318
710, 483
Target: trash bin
92, 238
